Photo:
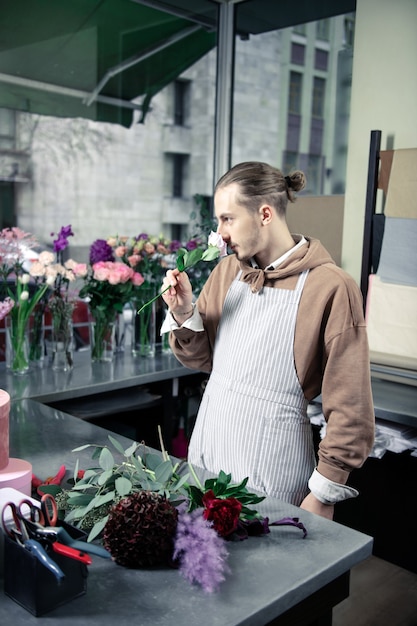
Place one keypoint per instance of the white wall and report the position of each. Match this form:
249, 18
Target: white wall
384, 97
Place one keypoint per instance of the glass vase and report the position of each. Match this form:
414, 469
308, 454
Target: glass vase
37, 337
61, 345
102, 338
144, 324
17, 345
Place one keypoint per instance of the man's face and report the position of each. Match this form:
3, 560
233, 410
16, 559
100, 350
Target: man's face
240, 229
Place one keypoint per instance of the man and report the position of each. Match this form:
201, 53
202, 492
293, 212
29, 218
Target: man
276, 324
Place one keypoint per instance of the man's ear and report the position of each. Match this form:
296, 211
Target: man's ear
265, 212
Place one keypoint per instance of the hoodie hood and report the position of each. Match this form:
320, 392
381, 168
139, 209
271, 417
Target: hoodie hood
306, 257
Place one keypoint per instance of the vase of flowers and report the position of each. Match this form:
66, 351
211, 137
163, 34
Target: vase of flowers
108, 286
102, 336
60, 334
17, 346
144, 323
37, 335
24, 289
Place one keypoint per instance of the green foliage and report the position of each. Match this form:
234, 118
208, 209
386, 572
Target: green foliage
113, 478
222, 488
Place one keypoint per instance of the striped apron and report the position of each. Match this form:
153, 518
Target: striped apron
252, 420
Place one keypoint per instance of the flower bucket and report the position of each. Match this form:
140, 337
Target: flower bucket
17, 346
144, 324
102, 338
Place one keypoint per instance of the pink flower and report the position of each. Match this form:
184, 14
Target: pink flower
134, 259
5, 307
79, 269
120, 251
137, 279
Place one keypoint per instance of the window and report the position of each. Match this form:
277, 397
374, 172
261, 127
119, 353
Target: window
7, 129
319, 86
349, 31
7, 210
321, 59
181, 100
179, 162
323, 30
295, 92
297, 53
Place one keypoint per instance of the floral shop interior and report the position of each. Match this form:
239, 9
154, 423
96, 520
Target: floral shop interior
117, 118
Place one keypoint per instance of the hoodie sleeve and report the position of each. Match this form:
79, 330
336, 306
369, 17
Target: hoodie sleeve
346, 383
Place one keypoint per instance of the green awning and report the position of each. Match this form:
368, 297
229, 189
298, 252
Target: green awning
92, 58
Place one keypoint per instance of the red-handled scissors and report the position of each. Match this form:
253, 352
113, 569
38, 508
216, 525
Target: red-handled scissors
49, 510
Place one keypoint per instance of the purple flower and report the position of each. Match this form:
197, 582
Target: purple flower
61, 242
175, 245
100, 251
200, 551
191, 245
143, 236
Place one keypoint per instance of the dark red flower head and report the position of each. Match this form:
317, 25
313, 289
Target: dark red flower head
223, 512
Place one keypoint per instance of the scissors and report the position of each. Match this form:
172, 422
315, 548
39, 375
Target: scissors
18, 531
49, 510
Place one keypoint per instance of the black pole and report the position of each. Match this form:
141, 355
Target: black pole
371, 190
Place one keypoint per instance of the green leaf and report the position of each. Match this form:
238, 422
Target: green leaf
152, 461
123, 486
107, 497
84, 447
180, 259
105, 476
163, 473
97, 528
106, 459
77, 465
79, 499
193, 257
116, 444
130, 450
210, 254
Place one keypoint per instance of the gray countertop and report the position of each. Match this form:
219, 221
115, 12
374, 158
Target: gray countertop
87, 378
269, 574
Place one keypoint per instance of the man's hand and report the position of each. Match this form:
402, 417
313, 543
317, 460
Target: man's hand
179, 297
311, 504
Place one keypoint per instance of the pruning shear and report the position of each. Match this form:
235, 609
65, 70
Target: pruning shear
18, 531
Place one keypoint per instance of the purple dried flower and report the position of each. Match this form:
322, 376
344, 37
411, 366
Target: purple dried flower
201, 553
62, 239
100, 251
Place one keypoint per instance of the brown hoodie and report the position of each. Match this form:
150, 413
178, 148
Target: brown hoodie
330, 347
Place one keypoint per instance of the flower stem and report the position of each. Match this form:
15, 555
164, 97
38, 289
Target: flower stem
139, 311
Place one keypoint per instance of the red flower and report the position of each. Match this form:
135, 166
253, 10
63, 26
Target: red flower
223, 512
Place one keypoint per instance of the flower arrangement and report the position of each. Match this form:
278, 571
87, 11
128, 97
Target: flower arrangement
25, 293
147, 514
146, 254
108, 286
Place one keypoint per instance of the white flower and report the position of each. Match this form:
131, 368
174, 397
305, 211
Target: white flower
24, 296
215, 239
46, 258
50, 279
37, 269
24, 279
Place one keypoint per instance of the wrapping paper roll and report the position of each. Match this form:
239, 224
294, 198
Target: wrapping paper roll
4, 428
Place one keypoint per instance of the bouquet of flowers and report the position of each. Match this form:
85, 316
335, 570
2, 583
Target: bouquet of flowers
146, 254
22, 288
108, 286
147, 514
